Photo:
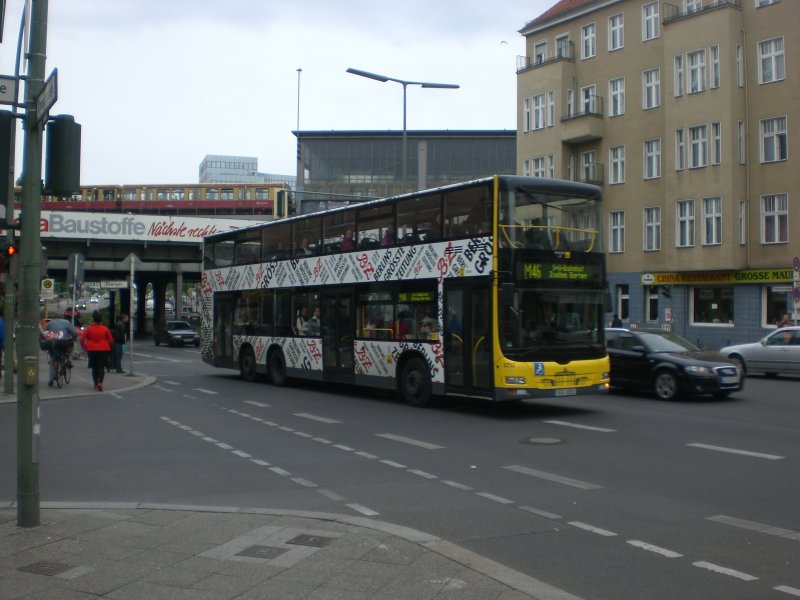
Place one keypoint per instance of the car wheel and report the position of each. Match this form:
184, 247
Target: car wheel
739, 362
415, 383
277, 368
665, 385
247, 365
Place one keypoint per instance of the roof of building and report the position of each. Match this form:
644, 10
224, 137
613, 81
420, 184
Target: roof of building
559, 9
417, 133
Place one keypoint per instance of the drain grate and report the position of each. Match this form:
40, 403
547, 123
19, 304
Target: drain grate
310, 540
46, 568
265, 552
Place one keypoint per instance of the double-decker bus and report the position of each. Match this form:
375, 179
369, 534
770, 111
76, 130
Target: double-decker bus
493, 289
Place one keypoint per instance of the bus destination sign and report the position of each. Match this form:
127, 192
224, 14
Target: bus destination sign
528, 270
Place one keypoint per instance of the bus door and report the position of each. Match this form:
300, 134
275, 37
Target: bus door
337, 316
468, 339
222, 330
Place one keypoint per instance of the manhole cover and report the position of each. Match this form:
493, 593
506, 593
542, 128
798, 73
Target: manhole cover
542, 441
310, 540
46, 568
265, 552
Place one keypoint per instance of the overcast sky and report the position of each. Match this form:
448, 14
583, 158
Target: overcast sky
158, 84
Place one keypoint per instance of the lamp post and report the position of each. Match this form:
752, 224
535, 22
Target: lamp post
405, 84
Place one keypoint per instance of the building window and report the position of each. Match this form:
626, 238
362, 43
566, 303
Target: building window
652, 159
526, 167
760, 3
775, 219
571, 167
616, 224
712, 305
712, 221
539, 52
652, 228
551, 166
616, 167
684, 236
589, 99
739, 66
588, 165
538, 167
651, 293
777, 300
773, 140
623, 301
616, 92
698, 140
562, 46
651, 81
551, 108
742, 222
692, 6
616, 32
650, 23
697, 71
589, 46
570, 102
680, 150
714, 53
770, 61
716, 143
526, 114
741, 140
678, 75
538, 112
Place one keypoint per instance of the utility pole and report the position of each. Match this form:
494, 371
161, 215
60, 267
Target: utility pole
29, 277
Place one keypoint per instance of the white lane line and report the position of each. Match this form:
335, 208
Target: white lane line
242, 454
199, 434
366, 455
205, 391
168, 382
224, 446
735, 451
209, 439
331, 495
754, 526
304, 482
788, 590
303, 434
656, 549
422, 474
577, 426
396, 465
408, 440
724, 571
279, 471
343, 447
456, 485
363, 510
322, 440
493, 498
163, 389
258, 404
317, 418
541, 513
584, 485
592, 528
259, 462
284, 428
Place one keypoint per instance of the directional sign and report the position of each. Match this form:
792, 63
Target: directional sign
8, 89
48, 96
114, 285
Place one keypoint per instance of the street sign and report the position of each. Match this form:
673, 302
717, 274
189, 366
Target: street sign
796, 264
8, 89
48, 291
48, 96
796, 294
114, 285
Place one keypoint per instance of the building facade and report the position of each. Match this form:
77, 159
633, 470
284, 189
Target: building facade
335, 167
683, 113
218, 168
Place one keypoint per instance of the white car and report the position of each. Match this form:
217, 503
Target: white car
778, 352
94, 300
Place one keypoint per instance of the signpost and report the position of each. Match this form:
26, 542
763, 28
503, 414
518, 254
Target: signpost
796, 287
48, 96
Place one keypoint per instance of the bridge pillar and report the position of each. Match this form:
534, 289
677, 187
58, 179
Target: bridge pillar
179, 294
141, 294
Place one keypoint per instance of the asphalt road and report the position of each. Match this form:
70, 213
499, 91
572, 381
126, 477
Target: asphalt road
609, 497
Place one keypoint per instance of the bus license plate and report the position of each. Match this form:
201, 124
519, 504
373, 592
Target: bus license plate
566, 392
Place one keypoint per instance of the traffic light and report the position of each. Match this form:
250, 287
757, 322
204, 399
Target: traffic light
63, 156
9, 258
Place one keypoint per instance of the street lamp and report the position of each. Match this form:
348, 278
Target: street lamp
425, 84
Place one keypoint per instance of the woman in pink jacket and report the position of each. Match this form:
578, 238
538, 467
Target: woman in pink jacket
97, 341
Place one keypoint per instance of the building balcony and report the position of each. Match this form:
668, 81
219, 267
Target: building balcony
564, 51
592, 173
673, 13
584, 126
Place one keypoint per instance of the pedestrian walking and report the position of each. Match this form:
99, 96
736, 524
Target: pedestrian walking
120, 335
97, 341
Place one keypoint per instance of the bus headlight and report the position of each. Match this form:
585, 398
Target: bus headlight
515, 381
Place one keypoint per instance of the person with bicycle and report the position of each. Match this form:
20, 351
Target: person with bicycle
58, 338
97, 341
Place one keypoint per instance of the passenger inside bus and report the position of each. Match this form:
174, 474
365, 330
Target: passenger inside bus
347, 241
305, 249
302, 325
313, 322
388, 236
404, 328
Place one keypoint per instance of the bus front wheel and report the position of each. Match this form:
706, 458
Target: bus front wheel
415, 383
247, 365
277, 368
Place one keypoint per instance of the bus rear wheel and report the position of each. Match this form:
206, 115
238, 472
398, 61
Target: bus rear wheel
277, 369
247, 365
415, 383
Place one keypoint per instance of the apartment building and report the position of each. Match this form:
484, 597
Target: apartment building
686, 113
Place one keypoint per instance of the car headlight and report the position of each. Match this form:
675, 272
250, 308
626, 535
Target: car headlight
695, 370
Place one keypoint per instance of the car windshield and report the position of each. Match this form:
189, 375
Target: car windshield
179, 325
666, 342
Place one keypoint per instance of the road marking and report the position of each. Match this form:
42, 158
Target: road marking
205, 391
279, 471
242, 454
584, 485
168, 382
458, 486
224, 446
396, 465
363, 510
163, 389
577, 426
366, 455
258, 404
284, 428
656, 549
259, 462
422, 474
494, 498
753, 526
592, 528
735, 451
317, 418
331, 495
541, 513
303, 434
304, 482
343, 447
724, 571
322, 440
788, 590
408, 440
209, 439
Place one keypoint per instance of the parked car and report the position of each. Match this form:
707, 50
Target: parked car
668, 365
778, 352
176, 333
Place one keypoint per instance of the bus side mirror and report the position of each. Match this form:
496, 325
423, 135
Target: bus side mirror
506, 294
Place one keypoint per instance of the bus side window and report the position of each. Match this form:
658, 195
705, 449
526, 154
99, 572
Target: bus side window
468, 212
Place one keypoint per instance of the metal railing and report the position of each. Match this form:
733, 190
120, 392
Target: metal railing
673, 13
564, 51
591, 107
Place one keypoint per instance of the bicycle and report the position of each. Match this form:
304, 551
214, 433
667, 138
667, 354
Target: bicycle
60, 365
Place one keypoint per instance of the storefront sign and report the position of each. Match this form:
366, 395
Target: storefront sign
718, 277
